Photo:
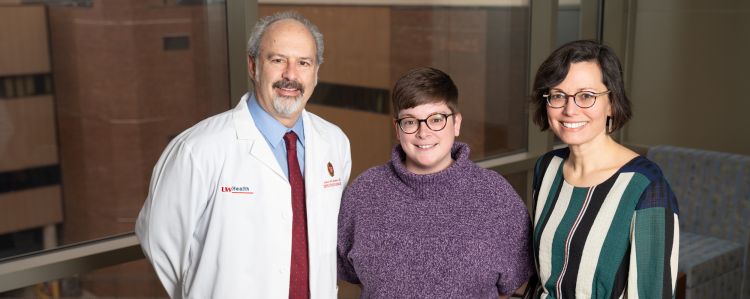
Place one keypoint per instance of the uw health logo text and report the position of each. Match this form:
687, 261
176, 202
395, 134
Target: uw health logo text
235, 189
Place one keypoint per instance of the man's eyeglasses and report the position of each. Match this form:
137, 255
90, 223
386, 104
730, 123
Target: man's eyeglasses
435, 122
583, 99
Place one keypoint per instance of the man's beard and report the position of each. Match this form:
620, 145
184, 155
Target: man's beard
286, 106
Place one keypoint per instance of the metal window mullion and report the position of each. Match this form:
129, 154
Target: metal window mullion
241, 16
618, 19
542, 42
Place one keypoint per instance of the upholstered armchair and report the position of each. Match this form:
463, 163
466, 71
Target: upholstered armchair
713, 192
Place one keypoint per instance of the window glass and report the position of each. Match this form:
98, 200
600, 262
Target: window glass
91, 92
568, 21
484, 48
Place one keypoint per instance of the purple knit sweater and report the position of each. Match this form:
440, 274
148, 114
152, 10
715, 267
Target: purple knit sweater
460, 233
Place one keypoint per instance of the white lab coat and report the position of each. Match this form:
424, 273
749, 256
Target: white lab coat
217, 222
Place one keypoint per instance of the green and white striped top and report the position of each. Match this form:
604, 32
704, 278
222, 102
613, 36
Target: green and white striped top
618, 239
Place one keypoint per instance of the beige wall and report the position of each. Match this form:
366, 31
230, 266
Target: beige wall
690, 74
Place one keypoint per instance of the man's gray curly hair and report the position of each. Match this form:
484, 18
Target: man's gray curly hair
253, 44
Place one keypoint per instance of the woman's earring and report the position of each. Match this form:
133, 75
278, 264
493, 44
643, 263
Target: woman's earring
609, 124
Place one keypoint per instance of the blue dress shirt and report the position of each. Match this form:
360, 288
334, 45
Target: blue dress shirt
273, 131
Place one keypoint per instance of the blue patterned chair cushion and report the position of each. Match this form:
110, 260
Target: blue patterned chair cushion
703, 258
713, 192
721, 287
712, 188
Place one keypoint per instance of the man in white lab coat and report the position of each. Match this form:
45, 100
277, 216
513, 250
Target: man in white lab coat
218, 221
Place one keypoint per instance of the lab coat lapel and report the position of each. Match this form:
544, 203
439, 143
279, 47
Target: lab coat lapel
248, 133
316, 159
316, 150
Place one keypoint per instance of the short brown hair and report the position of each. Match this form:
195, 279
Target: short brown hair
556, 67
422, 86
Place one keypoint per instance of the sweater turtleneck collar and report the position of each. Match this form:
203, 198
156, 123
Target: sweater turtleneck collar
459, 153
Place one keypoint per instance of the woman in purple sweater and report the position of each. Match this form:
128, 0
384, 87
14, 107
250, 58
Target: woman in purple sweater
431, 223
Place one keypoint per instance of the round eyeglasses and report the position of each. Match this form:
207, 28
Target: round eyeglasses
435, 122
583, 99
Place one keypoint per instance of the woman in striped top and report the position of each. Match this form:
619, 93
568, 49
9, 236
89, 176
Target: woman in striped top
605, 219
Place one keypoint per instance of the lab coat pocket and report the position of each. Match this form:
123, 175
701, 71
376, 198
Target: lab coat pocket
242, 204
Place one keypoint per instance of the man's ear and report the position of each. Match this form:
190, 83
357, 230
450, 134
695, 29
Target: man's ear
251, 68
317, 67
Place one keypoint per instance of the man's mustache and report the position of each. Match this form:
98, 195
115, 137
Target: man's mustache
289, 84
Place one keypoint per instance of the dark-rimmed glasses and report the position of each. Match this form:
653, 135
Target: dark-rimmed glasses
583, 99
435, 122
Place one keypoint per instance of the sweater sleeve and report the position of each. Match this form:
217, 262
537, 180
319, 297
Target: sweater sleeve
654, 243
517, 244
346, 270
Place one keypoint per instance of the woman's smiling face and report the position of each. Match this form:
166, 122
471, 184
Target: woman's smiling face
575, 125
428, 151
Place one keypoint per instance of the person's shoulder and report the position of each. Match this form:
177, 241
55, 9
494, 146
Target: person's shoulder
556, 156
656, 192
486, 176
209, 132
367, 182
560, 153
490, 182
645, 167
372, 177
495, 199
472, 174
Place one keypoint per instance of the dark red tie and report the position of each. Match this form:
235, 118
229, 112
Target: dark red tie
299, 286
